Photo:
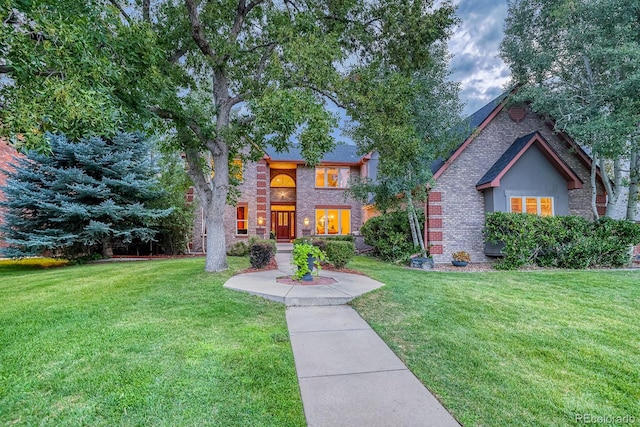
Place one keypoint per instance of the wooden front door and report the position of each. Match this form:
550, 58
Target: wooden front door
284, 224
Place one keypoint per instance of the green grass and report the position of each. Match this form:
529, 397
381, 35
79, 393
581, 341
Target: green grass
145, 343
514, 348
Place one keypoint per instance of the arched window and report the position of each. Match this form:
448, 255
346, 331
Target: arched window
282, 180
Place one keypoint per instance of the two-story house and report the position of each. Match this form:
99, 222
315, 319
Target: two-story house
281, 196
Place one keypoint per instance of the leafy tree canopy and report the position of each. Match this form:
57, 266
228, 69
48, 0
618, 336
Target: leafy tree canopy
577, 62
229, 75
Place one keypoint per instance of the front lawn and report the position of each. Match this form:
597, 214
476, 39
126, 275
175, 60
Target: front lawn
144, 343
515, 348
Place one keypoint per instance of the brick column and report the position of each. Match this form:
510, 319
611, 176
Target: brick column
434, 228
261, 193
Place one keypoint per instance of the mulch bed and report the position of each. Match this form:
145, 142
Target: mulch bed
487, 266
271, 266
469, 268
472, 267
330, 267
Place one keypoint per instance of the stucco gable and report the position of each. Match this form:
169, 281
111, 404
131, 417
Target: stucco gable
510, 157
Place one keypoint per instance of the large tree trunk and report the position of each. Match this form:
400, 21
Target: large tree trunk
613, 190
216, 257
634, 177
213, 197
107, 248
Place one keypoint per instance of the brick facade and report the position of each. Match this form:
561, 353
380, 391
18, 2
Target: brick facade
7, 157
456, 210
256, 194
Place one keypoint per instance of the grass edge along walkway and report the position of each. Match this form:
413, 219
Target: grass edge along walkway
514, 348
145, 343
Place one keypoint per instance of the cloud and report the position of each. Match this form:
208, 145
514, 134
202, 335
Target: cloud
474, 45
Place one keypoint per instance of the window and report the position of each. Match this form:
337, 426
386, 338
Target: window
282, 180
333, 221
332, 177
242, 220
235, 169
532, 205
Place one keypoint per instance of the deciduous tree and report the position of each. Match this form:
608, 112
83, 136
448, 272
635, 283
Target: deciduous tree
577, 62
229, 75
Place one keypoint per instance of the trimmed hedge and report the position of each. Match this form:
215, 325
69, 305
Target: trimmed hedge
561, 241
238, 249
261, 252
340, 252
390, 235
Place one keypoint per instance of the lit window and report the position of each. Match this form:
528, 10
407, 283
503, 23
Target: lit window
235, 169
333, 221
332, 177
516, 204
242, 220
282, 180
532, 205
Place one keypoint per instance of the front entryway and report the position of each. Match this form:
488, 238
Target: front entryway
284, 223
283, 204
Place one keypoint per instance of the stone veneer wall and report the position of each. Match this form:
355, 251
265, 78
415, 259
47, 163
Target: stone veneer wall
456, 211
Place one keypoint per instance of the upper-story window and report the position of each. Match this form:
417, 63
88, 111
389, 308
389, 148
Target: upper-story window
282, 180
332, 177
532, 205
235, 169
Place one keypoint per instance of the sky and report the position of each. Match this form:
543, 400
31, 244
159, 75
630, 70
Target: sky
474, 46
476, 64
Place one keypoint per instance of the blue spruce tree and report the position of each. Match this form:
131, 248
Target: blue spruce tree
81, 198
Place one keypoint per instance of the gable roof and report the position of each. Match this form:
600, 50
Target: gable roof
484, 116
342, 153
510, 157
476, 122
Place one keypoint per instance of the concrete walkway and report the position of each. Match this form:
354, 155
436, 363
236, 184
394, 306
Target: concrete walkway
347, 374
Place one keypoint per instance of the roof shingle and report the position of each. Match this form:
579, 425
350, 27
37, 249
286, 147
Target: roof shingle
342, 153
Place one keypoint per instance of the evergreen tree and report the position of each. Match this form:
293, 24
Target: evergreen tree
81, 197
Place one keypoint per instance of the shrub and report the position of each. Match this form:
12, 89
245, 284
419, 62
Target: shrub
341, 238
260, 253
238, 249
565, 242
256, 239
339, 253
320, 244
301, 253
390, 235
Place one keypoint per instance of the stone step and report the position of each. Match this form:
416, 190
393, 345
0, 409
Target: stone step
284, 248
